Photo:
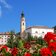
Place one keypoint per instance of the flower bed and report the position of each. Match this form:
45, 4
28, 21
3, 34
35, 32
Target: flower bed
48, 49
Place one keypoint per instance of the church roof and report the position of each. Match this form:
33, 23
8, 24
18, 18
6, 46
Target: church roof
22, 14
6, 33
43, 27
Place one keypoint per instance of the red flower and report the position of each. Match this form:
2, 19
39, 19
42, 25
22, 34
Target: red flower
52, 46
45, 52
4, 47
27, 54
54, 37
49, 36
14, 51
27, 45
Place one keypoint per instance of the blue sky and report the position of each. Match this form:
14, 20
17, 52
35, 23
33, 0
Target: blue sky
37, 12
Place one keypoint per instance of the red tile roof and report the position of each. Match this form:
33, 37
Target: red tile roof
6, 33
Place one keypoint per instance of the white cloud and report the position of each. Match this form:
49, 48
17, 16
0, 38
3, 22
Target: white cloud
5, 4
0, 11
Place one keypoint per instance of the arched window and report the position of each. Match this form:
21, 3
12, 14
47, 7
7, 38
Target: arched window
23, 23
42, 32
36, 32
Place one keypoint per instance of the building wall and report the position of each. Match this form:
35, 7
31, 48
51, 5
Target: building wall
22, 26
39, 32
29, 30
4, 39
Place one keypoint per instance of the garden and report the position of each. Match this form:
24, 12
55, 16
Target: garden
31, 46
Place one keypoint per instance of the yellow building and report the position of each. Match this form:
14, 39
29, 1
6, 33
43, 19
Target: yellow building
22, 25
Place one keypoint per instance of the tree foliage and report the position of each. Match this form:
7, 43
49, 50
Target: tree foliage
29, 37
40, 41
10, 42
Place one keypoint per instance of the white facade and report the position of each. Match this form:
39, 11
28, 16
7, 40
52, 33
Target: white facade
39, 31
4, 38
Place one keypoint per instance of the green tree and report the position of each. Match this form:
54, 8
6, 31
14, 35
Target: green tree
40, 41
20, 44
10, 42
36, 54
29, 37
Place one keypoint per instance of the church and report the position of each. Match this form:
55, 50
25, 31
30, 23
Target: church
38, 31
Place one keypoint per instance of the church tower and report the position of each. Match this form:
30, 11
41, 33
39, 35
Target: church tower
22, 25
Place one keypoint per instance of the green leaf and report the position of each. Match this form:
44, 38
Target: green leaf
54, 54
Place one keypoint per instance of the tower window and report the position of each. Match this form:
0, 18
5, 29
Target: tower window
23, 23
36, 32
42, 32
